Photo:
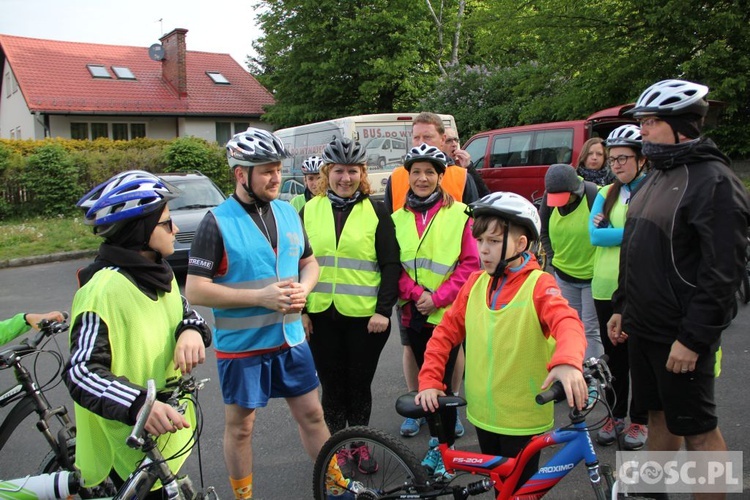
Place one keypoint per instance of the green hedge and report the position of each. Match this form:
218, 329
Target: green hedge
47, 177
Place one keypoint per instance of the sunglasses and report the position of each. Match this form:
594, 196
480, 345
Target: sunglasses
168, 224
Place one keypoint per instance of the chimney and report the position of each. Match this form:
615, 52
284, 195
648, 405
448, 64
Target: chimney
174, 64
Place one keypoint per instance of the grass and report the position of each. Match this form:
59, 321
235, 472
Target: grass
41, 236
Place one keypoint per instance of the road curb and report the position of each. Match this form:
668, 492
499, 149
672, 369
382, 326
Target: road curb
42, 259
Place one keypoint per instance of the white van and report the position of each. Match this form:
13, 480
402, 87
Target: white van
385, 137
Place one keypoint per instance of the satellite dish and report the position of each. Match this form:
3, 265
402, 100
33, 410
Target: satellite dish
156, 52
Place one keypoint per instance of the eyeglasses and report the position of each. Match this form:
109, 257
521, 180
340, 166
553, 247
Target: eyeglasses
650, 122
167, 224
451, 139
621, 160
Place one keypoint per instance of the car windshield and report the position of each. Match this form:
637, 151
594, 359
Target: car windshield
196, 193
375, 143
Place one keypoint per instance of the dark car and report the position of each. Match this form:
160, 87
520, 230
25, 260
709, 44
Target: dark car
199, 195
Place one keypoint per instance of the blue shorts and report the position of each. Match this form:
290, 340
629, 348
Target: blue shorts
250, 382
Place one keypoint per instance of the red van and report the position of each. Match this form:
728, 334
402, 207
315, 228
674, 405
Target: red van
516, 158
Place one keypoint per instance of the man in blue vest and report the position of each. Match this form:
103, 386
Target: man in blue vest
252, 263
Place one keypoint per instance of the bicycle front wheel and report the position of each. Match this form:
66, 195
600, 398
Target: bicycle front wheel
380, 463
51, 463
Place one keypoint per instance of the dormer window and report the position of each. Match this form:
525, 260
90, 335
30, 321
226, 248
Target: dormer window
123, 73
217, 78
98, 71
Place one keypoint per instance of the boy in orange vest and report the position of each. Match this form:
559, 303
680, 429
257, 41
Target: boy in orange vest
522, 334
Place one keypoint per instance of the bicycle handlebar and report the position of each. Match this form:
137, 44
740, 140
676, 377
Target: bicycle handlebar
594, 370
47, 328
135, 440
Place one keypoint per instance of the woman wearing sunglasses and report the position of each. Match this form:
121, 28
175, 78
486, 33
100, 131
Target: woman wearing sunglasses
606, 226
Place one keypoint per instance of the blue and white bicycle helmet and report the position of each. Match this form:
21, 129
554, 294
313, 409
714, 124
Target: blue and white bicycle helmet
425, 152
126, 196
625, 135
255, 147
672, 98
312, 165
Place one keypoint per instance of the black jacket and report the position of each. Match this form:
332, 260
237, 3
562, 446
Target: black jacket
683, 250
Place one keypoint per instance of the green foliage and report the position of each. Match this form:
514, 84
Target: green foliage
329, 58
51, 178
48, 177
187, 154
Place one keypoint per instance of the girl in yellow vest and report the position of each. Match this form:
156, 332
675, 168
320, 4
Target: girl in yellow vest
130, 324
508, 315
606, 227
311, 171
438, 254
347, 315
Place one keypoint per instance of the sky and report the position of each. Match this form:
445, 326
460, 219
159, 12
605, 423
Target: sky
223, 26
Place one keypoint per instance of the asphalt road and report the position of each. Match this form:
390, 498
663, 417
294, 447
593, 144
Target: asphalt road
282, 469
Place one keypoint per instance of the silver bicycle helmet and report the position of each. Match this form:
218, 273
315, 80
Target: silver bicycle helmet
344, 151
254, 147
126, 196
672, 97
312, 165
625, 135
509, 206
425, 152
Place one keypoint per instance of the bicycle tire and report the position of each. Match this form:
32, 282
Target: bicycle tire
398, 468
745, 288
603, 491
51, 464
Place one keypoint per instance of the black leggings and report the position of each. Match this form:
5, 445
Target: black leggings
619, 365
418, 340
346, 357
508, 446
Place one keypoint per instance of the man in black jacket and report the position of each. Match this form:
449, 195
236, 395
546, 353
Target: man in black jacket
683, 253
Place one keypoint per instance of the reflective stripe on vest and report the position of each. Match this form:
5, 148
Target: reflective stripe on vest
349, 271
453, 183
431, 259
506, 362
249, 254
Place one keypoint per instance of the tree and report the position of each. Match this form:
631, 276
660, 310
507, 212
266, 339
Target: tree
329, 58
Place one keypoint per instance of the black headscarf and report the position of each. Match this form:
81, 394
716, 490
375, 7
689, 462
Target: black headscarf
123, 250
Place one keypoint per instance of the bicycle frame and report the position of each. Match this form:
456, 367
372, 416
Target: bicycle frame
32, 399
506, 471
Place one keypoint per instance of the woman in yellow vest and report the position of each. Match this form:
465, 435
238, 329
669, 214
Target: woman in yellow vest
606, 228
347, 316
130, 324
438, 253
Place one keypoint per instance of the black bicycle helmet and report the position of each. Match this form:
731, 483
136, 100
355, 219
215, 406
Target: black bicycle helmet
254, 147
672, 98
425, 152
344, 151
625, 135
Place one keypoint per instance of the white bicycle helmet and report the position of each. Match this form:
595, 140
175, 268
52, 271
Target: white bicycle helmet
344, 151
425, 152
512, 207
254, 147
672, 97
126, 196
625, 135
312, 165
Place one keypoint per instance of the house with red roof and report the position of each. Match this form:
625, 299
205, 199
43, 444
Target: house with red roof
85, 91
